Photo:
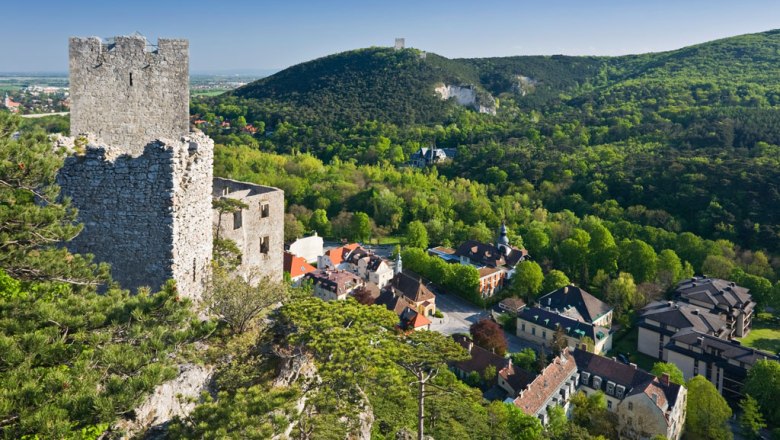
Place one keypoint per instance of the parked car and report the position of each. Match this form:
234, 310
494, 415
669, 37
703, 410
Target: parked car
623, 358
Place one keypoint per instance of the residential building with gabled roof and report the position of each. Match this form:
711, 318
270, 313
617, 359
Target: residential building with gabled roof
411, 286
660, 320
334, 284
539, 325
578, 304
646, 405
554, 386
734, 303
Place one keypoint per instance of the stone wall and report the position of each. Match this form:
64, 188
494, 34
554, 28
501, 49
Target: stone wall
127, 92
149, 216
259, 235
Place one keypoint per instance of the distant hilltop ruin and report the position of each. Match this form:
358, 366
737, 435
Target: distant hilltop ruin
144, 185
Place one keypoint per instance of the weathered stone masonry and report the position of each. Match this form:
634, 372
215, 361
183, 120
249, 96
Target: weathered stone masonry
128, 93
144, 185
258, 230
148, 216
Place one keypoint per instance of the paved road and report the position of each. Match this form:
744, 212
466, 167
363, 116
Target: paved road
459, 314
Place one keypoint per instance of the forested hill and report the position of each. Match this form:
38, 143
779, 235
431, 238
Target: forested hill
366, 84
385, 85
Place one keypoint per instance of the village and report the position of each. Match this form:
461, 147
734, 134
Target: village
696, 330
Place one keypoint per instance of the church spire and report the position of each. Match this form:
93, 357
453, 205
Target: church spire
398, 264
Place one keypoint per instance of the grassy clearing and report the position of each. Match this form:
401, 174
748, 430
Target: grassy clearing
765, 336
210, 92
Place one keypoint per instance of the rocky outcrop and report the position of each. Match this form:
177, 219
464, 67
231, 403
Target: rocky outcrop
176, 397
524, 85
467, 96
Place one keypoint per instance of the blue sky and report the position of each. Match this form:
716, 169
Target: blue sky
243, 34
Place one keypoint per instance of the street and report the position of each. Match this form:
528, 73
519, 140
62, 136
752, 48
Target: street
459, 314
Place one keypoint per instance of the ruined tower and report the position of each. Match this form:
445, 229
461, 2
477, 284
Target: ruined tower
128, 92
143, 187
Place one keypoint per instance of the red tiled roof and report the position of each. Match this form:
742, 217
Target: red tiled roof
337, 255
419, 321
296, 266
547, 384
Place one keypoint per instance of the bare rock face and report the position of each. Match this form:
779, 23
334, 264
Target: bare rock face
467, 96
176, 397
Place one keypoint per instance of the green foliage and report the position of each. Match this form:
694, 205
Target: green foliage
361, 227
73, 359
591, 413
237, 302
707, 412
675, 374
250, 413
416, 235
751, 422
527, 281
33, 219
622, 292
763, 384
554, 280
460, 279
525, 359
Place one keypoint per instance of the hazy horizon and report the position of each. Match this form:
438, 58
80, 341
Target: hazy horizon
250, 37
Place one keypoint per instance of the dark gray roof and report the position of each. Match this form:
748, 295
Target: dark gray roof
634, 379
715, 291
587, 306
716, 348
488, 254
682, 315
572, 327
411, 286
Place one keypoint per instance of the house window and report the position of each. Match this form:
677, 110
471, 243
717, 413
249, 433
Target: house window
264, 245
596, 382
609, 404
544, 334
630, 406
523, 327
585, 376
610, 388
620, 390
533, 331
265, 209
237, 219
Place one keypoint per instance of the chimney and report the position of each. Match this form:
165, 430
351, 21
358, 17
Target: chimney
471, 345
583, 347
665, 379
566, 290
632, 365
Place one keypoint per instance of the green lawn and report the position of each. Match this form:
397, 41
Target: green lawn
211, 92
627, 345
764, 336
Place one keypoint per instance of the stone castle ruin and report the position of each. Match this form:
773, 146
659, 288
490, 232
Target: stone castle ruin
144, 184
